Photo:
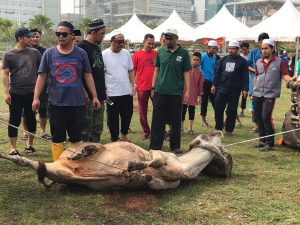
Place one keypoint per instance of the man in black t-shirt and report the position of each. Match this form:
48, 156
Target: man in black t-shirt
94, 117
231, 77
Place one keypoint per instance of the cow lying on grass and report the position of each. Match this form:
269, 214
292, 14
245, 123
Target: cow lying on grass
123, 164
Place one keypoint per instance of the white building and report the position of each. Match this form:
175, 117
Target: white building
22, 10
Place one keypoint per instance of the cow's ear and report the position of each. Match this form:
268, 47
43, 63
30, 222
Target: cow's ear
194, 143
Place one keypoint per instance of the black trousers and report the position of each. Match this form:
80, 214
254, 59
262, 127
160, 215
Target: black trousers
231, 100
166, 109
122, 107
263, 109
64, 119
20, 103
206, 94
191, 109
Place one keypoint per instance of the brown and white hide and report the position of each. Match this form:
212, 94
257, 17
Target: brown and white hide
125, 165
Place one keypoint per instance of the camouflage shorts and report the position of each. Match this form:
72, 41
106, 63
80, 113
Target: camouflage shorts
93, 126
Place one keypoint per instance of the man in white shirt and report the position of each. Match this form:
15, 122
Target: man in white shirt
120, 84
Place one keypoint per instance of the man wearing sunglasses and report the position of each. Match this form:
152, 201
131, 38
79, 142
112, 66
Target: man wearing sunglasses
120, 83
67, 66
171, 75
93, 126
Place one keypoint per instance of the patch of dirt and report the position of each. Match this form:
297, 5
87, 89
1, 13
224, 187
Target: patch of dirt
133, 201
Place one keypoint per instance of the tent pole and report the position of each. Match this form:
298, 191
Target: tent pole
296, 56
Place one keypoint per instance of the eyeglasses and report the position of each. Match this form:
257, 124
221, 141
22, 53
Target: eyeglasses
121, 42
64, 34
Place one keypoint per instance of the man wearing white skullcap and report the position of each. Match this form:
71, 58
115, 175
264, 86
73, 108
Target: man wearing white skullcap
208, 65
267, 86
230, 79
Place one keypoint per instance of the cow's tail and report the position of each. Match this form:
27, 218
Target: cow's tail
42, 172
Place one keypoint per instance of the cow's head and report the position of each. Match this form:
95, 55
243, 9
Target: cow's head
214, 138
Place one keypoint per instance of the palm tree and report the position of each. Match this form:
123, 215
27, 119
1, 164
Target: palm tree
6, 27
83, 25
41, 22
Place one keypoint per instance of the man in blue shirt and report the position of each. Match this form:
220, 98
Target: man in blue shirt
208, 65
67, 65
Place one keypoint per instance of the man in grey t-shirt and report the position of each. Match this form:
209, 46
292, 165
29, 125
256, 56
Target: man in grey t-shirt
19, 76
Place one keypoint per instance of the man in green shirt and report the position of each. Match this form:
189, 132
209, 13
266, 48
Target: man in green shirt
171, 76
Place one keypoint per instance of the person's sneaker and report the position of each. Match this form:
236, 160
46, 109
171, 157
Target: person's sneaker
259, 145
266, 148
177, 151
242, 114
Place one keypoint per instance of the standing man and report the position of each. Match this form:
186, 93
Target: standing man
171, 75
77, 37
120, 83
67, 65
93, 126
267, 86
143, 64
19, 76
230, 79
208, 66
43, 109
254, 55
244, 53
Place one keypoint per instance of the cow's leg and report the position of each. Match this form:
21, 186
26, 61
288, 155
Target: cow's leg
132, 165
21, 161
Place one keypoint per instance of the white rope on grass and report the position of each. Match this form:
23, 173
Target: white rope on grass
27, 132
254, 139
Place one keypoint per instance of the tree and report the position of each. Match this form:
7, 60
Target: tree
84, 24
6, 27
42, 23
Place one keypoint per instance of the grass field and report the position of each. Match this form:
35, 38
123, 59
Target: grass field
264, 188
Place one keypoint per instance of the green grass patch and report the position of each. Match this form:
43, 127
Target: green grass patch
264, 188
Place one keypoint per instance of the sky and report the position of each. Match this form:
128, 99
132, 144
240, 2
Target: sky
67, 6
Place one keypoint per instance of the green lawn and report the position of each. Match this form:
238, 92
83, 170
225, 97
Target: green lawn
264, 188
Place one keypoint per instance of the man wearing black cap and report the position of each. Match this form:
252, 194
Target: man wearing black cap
171, 75
94, 117
77, 37
67, 65
19, 76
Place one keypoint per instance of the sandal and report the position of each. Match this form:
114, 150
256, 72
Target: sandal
145, 137
14, 152
24, 136
29, 149
191, 132
205, 124
46, 136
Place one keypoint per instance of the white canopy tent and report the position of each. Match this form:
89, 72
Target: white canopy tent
134, 30
281, 26
223, 24
185, 31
